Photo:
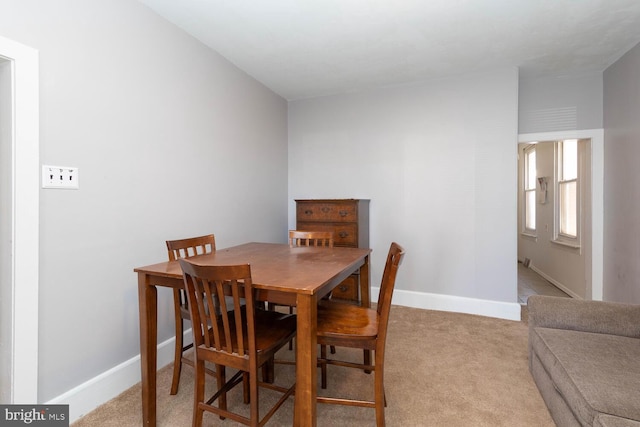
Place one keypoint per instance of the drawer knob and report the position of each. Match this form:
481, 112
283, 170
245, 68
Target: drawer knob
343, 288
308, 212
343, 234
343, 213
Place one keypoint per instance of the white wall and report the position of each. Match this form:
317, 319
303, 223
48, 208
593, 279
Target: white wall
560, 103
171, 140
438, 161
622, 178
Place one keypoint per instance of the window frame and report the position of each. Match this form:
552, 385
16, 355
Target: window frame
559, 181
526, 190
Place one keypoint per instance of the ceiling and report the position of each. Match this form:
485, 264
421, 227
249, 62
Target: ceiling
306, 48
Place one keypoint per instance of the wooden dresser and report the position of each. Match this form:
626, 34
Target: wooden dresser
349, 221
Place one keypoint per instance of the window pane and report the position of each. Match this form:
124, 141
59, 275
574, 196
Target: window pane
569, 159
568, 208
531, 170
530, 210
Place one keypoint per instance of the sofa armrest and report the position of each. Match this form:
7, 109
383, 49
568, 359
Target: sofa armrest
587, 316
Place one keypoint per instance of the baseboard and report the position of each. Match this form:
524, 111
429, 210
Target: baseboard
500, 310
88, 396
555, 282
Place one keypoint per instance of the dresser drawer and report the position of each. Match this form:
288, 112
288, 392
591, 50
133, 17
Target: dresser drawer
348, 219
343, 234
347, 290
327, 212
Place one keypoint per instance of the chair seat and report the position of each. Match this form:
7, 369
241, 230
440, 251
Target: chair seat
346, 321
271, 329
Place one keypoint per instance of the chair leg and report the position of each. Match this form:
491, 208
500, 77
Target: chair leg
221, 378
177, 356
291, 342
268, 371
198, 394
323, 366
246, 392
367, 359
380, 397
254, 409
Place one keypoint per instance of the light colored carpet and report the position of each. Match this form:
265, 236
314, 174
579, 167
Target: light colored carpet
442, 369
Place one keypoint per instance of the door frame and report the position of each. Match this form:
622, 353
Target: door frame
597, 197
25, 177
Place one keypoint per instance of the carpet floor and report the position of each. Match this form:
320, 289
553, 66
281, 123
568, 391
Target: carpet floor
442, 369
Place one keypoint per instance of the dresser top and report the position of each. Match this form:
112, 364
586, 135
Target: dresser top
331, 200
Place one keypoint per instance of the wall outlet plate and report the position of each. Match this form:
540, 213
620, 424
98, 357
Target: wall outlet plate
60, 177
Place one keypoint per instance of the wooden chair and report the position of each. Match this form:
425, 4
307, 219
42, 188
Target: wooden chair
307, 238
310, 238
345, 325
178, 249
242, 339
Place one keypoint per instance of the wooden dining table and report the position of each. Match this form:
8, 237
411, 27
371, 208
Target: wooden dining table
298, 276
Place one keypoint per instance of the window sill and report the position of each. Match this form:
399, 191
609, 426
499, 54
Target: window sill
572, 245
529, 235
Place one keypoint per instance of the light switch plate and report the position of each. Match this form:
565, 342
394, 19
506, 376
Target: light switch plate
60, 177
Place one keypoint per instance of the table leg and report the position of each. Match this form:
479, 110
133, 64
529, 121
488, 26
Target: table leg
148, 304
306, 361
365, 297
365, 285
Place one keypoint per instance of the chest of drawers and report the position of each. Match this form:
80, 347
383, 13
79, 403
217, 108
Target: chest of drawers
348, 219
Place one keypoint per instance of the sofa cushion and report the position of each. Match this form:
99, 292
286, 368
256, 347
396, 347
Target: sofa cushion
595, 373
603, 420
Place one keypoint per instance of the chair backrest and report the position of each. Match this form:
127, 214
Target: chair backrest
185, 248
396, 252
310, 238
203, 284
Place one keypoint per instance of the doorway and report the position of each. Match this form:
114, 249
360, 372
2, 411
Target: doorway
588, 257
19, 218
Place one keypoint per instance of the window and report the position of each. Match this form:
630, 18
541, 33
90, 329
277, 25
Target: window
567, 194
530, 189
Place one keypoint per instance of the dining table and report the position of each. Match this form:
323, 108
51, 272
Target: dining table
296, 276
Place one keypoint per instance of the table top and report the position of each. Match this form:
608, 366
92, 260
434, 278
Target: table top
277, 266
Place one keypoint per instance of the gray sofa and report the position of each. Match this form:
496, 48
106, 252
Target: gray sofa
585, 359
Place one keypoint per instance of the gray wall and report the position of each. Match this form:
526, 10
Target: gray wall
622, 179
171, 141
438, 161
